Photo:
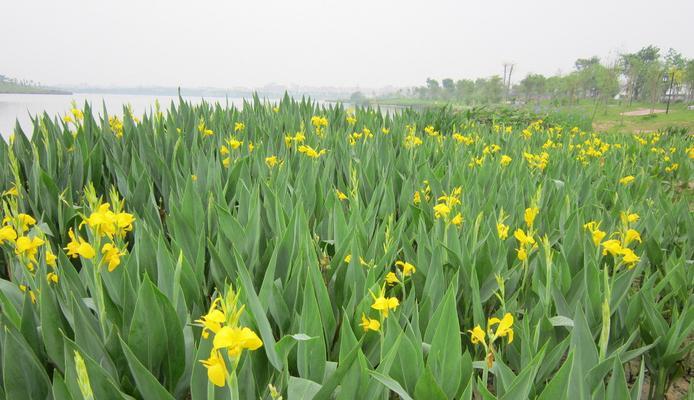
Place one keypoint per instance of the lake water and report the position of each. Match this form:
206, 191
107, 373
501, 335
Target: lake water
19, 107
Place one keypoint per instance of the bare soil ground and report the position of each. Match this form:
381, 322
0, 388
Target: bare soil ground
642, 111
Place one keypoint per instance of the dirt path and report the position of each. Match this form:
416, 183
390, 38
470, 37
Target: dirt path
642, 111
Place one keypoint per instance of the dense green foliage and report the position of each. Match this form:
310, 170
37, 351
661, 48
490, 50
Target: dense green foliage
308, 237
646, 75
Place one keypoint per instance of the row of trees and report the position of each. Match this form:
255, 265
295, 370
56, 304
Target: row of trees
645, 76
21, 82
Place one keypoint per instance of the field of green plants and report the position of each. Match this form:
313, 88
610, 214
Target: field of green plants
294, 251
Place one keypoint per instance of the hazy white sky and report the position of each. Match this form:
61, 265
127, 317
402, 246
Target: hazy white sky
367, 43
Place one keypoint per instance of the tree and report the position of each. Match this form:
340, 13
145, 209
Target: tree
465, 90
357, 98
640, 70
433, 87
533, 86
583, 63
490, 90
688, 78
674, 59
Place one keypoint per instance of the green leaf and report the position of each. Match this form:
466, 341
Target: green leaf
558, 387
617, 387
521, 386
427, 388
51, 327
156, 335
301, 389
23, 375
445, 355
391, 384
257, 311
147, 384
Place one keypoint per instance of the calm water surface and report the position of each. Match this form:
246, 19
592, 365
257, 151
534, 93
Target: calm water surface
19, 107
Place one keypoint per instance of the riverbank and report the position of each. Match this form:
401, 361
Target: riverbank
15, 88
611, 117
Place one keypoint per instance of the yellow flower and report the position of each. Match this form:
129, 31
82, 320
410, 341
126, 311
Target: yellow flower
341, 196
124, 223
522, 254
441, 210
628, 217
626, 180
457, 220
226, 162
239, 127
32, 296
502, 230
407, 268
52, 277
416, 198
216, 369
591, 225
385, 130
629, 257
348, 258
477, 335
504, 328
102, 221
319, 122
369, 324
234, 143
391, 278
7, 234
598, 236
77, 113
79, 247
112, 256
612, 246
25, 221
384, 304
194, 178
412, 141
673, 167
310, 151
271, 161
28, 247
505, 160
223, 150
529, 216
213, 320
116, 126
630, 236
11, 192
236, 339
51, 259
522, 238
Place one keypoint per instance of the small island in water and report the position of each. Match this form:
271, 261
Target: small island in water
14, 86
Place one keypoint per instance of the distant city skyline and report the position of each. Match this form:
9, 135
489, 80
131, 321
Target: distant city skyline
314, 43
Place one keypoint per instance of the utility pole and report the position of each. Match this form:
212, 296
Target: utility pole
508, 70
669, 91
